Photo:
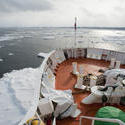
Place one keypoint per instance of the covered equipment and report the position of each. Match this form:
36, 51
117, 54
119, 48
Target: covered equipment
109, 112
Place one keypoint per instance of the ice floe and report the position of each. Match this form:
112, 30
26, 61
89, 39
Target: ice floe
17, 94
10, 54
14, 36
1, 60
49, 37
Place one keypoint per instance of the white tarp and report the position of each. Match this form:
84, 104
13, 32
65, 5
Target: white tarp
45, 107
111, 74
64, 100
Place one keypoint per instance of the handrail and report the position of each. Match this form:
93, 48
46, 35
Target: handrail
101, 119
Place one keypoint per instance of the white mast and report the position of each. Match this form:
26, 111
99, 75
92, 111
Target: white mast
75, 31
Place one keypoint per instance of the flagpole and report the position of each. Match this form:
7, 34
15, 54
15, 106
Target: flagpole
75, 32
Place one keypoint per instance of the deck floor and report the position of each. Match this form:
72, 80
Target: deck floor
66, 80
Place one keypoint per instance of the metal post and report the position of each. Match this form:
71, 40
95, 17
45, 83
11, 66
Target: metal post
75, 38
80, 122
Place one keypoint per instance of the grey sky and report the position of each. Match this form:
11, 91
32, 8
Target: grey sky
62, 12
9, 6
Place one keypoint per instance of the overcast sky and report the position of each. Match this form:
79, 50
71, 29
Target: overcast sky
109, 13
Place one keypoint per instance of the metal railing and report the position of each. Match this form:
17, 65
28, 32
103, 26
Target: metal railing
101, 119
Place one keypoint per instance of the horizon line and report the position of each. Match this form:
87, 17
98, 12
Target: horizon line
101, 27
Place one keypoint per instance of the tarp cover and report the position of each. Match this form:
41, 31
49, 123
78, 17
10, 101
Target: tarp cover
114, 72
64, 100
109, 112
111, 74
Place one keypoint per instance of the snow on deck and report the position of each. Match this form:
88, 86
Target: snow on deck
17, 94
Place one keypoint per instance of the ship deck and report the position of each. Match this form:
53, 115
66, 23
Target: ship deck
66, 80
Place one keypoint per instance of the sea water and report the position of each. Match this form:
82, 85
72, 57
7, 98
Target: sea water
19, 46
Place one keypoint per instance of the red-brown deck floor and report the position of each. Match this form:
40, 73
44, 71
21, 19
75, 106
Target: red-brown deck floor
65, 80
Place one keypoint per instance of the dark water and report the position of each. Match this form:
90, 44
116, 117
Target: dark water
19, 46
